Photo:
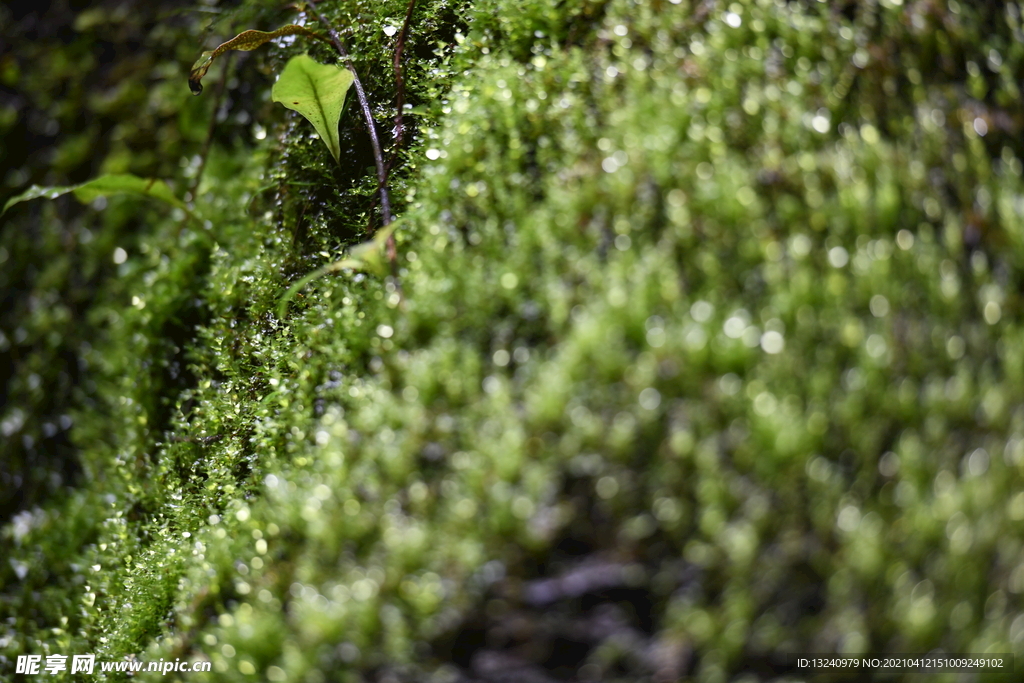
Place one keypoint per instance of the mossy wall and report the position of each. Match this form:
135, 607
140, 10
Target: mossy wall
703, 344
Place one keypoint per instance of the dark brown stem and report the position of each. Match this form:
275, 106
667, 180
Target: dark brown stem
218, 100
378, 155
392, 248
400, 82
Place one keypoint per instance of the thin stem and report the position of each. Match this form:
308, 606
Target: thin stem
400, 81
392, 247
378, 156
217, 102
399, 129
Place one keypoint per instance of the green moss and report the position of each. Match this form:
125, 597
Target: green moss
721, 300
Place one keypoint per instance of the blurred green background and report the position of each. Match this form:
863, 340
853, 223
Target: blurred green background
703, 345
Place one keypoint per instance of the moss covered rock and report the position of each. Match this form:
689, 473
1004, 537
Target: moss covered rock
702, 346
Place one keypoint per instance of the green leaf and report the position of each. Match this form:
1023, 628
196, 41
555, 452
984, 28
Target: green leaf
35, 192
106, 185
317, 91
368, 257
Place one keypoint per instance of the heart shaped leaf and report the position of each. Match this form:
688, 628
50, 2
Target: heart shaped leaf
317, 91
